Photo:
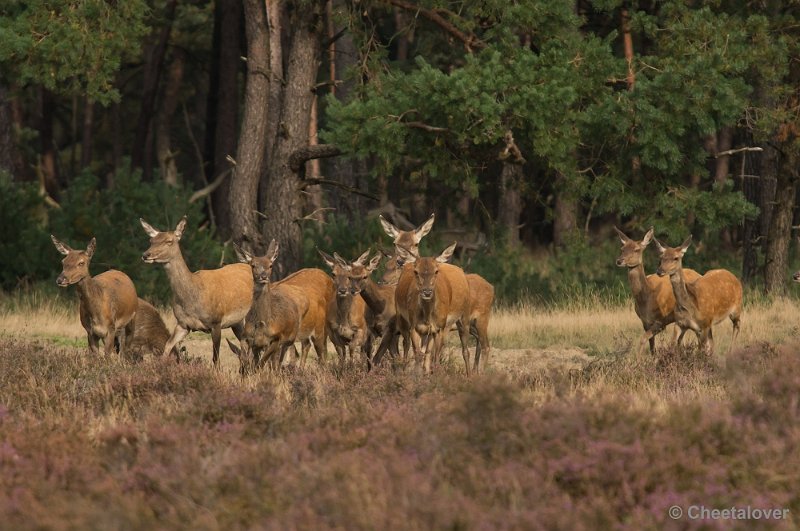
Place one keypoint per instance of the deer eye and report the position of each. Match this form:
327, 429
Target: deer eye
170, 242
81, 263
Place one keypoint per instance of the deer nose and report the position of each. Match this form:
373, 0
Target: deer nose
796, 277
61, 280
620, 262
342, 292
660, 272
146, 256
427, 293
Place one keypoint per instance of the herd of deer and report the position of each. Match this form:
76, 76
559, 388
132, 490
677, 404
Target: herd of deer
418, 298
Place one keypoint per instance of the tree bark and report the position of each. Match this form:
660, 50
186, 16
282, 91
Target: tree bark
776, 268
223, 105
510, 204
565, 214
87, 133
49, 160
252, 140
283, 205
152, 76
276, 14
7, 144
169, 102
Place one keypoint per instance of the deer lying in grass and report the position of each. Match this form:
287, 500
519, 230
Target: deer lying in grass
206, 300
431, 297
151, 333
652, 295
346, 322
108, 301
273, 323
705, 302
481, 297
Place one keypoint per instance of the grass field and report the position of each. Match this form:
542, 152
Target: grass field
565, 430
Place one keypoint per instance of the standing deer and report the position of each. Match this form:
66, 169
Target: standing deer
108, 301
207, 300
705, 302
346, 322
481, 297
407, 239
652, 295
273, 323
431, 297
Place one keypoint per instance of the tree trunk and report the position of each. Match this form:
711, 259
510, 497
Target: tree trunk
164, 153
510, 205
776, 268
87, 133
276, 14
283, 205
565, 214
7, 144
152, 76
49, 161
252, 140
223, 105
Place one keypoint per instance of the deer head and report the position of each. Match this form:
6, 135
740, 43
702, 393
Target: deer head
631, 253
261, 265
671, 257
163, 245
75, 267
427, 269
407, 238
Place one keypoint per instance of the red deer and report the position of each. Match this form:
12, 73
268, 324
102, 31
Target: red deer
274, 321
705, 302
431, 297
407, 239
481, 297
151, 333
206, 300
107, 301
346, 321
652, 295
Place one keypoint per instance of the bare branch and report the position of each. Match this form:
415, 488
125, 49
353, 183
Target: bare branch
426, 127
311, 217
470, 41
319, 151
734, 151
305, 183
209, 188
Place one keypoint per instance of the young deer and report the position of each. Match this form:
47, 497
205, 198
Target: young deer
346, 321
431, 297
481, 297
652, 295
151, 333
108, 301
206, 300
705, 302
273, 323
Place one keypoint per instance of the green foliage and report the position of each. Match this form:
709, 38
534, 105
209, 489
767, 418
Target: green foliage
69, 46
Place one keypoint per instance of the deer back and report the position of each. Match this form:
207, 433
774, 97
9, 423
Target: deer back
223, 295
317, 287
716, 294
151, 332
481, 297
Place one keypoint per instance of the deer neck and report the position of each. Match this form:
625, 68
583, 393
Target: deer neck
683, 301
181, 280
262, 297
89, 292
372, 296
343, 307
638, 282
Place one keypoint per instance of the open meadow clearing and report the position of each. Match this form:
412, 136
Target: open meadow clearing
563, 430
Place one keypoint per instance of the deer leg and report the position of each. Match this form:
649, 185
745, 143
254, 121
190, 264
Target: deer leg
108, 342
177, 336
463, 335
130, 330
736, 325
216, 337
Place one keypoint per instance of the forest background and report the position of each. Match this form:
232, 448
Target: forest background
543, 123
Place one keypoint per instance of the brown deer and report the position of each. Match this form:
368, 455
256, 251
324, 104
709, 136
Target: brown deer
273, 323
652, 295
431, 297
207, 300
705, 302
346, 320
151, 333
108, 301
481, 297
407, 239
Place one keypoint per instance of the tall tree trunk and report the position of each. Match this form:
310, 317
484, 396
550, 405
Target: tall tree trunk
223, 105
780, 228
49, 160
283, 205
276, 15
152, 75
87, 133
252, 140
7, 144
169, 102
510, 205
565, 213
722, 169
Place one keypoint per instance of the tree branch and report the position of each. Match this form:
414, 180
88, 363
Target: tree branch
305, 183
209, 188
426, 127
319, 151
470, 41
734, 151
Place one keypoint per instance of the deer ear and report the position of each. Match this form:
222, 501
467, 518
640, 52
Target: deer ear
328, 259
62, 247
388, 228
447, 253
659, 247
686, 243
180, 227
373, 264
91, 247
243, 256
148, 228
622, 236
423, 229
361, 260
272, 250
647, 238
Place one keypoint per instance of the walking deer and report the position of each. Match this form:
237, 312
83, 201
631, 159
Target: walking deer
108, 301
653, 299
346, 321
705, 302
431, 297
151, 332
273, 322
206, 300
